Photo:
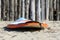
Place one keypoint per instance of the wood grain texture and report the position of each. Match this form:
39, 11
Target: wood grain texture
37, 10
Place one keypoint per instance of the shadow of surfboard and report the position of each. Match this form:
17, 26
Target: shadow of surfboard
23, 29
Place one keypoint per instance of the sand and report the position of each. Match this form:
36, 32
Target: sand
51, 34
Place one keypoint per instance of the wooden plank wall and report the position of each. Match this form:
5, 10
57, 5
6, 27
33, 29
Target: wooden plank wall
54, 7
37, 10
14, 9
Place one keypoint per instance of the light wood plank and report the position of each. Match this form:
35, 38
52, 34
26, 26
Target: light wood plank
23, 8
51, 10
58, 10
33, 9
0, 9
27, 2
4, 11
47, 10
38, 11
19, 8
43, 10
7, 9
12, 10
15, 9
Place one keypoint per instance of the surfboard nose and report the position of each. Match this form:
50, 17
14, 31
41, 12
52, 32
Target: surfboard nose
44, 25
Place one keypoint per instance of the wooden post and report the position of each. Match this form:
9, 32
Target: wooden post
47, 10
38, 11
12, 9
23, 8
18, 1
51, 10
4, 5
15, 9
43, 10
27, 2
0, 9
7, 10
33, 9
55, 4
55, 9
19, 8
58, 10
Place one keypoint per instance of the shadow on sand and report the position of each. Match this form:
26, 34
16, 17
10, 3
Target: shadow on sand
23, 29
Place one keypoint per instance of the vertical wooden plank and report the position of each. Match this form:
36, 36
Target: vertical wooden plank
33, 9
23, 8
19, 12
51, 10
0, 10
4, 11
19, 8
27, 2
55, 4
12, 10
47, 10
58, 10
15, 9
38, 11
30, 14
43, 10
7, 10
54, 11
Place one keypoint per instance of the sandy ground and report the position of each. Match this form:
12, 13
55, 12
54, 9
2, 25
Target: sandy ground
52, 34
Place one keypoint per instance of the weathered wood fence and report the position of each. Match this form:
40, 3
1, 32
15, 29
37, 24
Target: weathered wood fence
38, 10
